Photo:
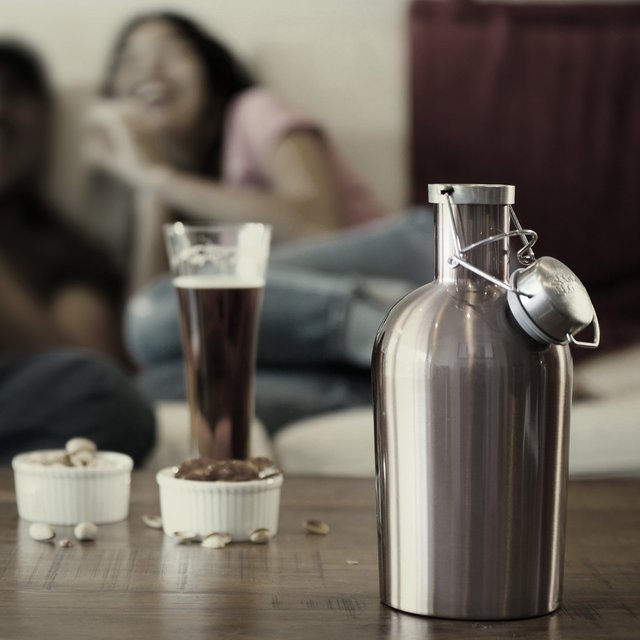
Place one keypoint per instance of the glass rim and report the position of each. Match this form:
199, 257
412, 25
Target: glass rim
225, 226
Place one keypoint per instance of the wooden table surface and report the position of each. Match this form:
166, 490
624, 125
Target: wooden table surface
135, 583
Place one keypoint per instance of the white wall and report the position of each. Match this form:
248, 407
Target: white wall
341, 60
75, 34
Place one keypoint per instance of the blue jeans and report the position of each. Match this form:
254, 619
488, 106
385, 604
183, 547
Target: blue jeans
49, 397
323, 302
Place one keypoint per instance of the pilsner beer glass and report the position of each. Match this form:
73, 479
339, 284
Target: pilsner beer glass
219, 273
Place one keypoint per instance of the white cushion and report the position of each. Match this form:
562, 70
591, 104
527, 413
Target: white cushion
334, 444
605, 440
355, 84
605, 436
611, 374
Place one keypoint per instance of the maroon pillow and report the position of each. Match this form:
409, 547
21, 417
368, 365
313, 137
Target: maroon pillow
545, 97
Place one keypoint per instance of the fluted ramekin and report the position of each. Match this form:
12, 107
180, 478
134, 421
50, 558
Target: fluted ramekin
69, 495
204, 507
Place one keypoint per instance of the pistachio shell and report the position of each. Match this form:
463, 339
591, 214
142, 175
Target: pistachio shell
268, 472
260, 536
223, 534
316, 527
154, 522
216, 541
187, 537
65, 543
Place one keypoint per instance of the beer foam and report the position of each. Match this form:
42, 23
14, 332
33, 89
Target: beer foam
208, 281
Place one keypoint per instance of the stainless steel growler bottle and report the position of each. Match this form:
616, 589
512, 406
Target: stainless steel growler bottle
472, 389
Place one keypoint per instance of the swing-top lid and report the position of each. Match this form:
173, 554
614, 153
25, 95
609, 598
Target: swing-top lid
550, 303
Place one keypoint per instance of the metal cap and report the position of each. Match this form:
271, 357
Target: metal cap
473, 193
550, 303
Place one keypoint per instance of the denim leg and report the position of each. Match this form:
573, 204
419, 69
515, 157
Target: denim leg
285, 395
152, 324
326, 297
400, 248
323, 301
302, 319
47, 398
163, 381
282, 395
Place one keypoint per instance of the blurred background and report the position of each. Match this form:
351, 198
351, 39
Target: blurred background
344, 62
545, 96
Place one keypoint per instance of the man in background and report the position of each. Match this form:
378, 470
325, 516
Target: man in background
59, 298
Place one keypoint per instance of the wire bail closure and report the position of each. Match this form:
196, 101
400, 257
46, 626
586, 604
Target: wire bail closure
525, 254
531, 310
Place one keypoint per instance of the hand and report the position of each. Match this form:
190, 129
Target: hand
118, 141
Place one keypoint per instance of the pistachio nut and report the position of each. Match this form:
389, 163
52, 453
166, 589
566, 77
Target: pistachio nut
85, 531
42, 532
80, 444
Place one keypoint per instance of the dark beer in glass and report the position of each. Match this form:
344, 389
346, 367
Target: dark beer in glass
219, 278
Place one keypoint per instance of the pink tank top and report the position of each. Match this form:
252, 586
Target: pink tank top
256, 121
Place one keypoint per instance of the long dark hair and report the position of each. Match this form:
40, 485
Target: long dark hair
26, 68
226, 76
28, 75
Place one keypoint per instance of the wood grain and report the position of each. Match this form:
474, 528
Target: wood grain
135, 583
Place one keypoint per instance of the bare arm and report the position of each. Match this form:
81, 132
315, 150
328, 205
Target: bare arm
301, 198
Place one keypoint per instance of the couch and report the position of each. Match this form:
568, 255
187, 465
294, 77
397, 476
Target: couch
372, 128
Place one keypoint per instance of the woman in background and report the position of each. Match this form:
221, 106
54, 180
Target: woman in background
184, 133
58, 296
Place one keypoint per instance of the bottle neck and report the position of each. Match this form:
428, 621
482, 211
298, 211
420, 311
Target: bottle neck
473, 223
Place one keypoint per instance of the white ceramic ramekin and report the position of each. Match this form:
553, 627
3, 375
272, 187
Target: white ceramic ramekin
236, 508
69, 495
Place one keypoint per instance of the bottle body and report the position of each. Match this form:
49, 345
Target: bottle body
472, 421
